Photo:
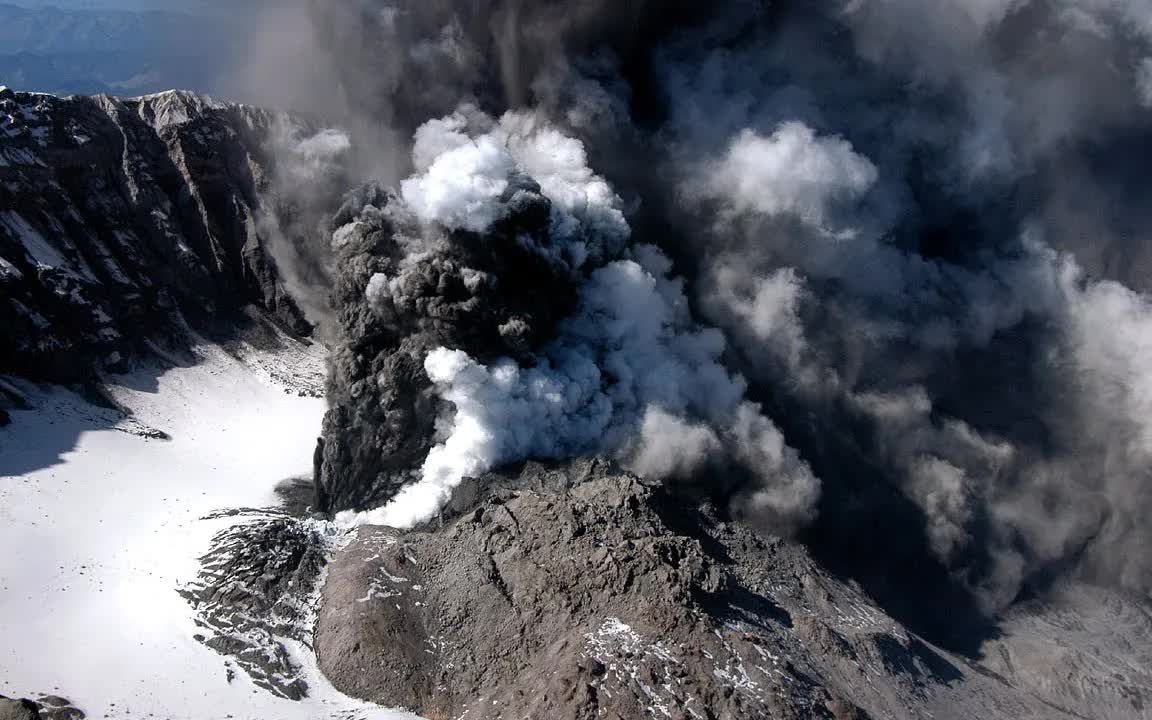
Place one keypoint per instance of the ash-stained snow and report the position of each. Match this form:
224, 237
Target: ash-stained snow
647, 667
43, 254
102, 521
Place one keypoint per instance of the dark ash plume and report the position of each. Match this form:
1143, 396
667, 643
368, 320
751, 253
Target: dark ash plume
914, 223
503, 218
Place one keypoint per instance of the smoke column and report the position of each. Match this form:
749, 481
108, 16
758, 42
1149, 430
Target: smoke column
629, 373
876, 270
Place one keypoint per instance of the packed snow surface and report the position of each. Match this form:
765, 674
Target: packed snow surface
99, 525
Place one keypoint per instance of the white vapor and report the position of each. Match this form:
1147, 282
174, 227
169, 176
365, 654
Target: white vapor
792, 171
466, 162
1144, 82
630, 374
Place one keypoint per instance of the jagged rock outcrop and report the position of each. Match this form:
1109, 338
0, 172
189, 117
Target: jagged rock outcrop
402, 289
579, 591
46, 707
257, 588
123, 219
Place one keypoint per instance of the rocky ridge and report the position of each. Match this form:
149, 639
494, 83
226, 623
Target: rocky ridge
46, 707
580, 591
124, 220
256, 591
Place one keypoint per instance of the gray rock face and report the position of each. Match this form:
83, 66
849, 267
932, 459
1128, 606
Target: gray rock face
583, 592
255, 588
47, 707
486, 294
54, 707
122, 220
18, 709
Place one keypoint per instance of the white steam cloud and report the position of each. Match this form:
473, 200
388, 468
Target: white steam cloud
1144, 82
858, 175
631, 374
467, 162
792, 171
461, 186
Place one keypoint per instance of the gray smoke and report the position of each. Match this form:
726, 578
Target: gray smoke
311, 167
629, 373
920, 227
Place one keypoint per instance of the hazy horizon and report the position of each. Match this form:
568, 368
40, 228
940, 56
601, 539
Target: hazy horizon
121, 47
186, 6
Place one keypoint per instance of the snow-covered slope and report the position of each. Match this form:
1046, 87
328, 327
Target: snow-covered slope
101, 524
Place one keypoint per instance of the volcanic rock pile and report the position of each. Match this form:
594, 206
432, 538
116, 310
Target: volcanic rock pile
581, 591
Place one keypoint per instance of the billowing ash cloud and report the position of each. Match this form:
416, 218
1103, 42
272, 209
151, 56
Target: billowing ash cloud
941, 337
790, 172
1144, 82
919, 226
466, 164
311, 167
630, 373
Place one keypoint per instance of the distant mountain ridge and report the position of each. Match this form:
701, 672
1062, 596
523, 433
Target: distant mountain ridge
55, 30
86, 51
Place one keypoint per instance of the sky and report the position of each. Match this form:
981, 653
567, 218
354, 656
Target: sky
80, 47
177, 5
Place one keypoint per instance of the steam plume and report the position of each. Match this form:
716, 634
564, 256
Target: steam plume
919, 227
628, 373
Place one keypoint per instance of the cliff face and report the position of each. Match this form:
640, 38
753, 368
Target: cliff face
122, 220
